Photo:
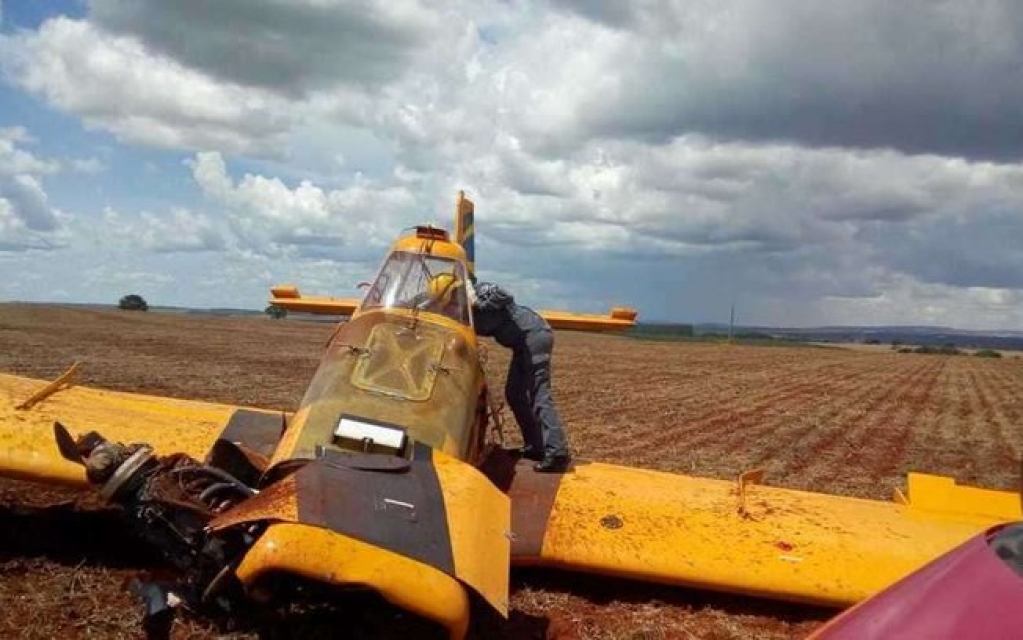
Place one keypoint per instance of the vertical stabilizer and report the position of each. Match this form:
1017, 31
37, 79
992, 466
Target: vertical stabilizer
465, 232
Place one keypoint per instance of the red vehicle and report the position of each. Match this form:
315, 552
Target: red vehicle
973, 591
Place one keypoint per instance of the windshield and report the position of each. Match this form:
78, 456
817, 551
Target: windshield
421, 282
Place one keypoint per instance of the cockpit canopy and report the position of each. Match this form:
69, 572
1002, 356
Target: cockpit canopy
421, 282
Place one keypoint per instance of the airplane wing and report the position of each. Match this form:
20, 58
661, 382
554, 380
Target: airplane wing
458, 493
619, 319
288, 297
27, 414
737, 537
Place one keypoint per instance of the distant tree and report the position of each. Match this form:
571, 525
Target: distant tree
988, 353
133, 302
276, 312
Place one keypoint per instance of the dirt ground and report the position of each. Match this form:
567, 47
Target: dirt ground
832, 420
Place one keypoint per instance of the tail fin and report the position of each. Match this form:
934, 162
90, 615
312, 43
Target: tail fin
465, 232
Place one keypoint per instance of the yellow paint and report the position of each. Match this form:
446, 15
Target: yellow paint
323, 305
790, 545
331, 558
432, 247
941, 495
619, 319
479, 522
27, 448
66, 379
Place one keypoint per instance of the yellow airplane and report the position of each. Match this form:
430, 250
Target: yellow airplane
386, 479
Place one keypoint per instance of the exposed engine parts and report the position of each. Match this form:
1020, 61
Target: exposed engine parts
169, 501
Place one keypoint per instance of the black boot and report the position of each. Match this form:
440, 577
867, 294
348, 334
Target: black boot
530, 453
553, 464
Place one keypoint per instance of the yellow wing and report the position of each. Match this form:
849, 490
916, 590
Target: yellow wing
28, 450
619, 319
288, 297
778, 543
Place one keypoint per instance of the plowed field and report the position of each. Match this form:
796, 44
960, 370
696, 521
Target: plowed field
832, 420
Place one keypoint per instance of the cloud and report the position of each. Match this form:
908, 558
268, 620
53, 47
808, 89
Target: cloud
14, 160
266, 215
287, 47
781, 226
917, 76
88, 166
904, 300
696, 192
800, 157
115, 83
180, 230
28, 202
27, 220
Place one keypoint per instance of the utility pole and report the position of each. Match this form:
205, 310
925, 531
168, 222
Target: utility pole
731, 323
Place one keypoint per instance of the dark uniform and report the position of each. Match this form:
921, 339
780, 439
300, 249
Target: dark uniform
528, 389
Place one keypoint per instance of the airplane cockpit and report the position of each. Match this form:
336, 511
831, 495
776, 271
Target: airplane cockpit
421, 282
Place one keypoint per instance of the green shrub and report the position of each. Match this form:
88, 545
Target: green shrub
133, 302
988, 353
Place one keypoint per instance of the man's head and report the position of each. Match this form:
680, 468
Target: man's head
490, 297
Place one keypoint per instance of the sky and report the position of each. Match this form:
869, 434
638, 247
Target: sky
812, 163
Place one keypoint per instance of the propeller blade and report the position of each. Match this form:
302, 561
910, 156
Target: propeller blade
66, 444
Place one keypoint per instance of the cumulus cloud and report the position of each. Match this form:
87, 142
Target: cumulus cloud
267, 215
289, 47
15, 160
918, 76
903, 300
116, 83
180, 230
27, 220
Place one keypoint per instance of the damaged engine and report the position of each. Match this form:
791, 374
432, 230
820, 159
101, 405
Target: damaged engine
169, 501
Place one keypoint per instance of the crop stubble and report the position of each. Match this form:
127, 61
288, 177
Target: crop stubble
834, 420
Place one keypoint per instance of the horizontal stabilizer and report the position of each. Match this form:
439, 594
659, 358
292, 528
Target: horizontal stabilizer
619, 319
941, 495
288, 297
